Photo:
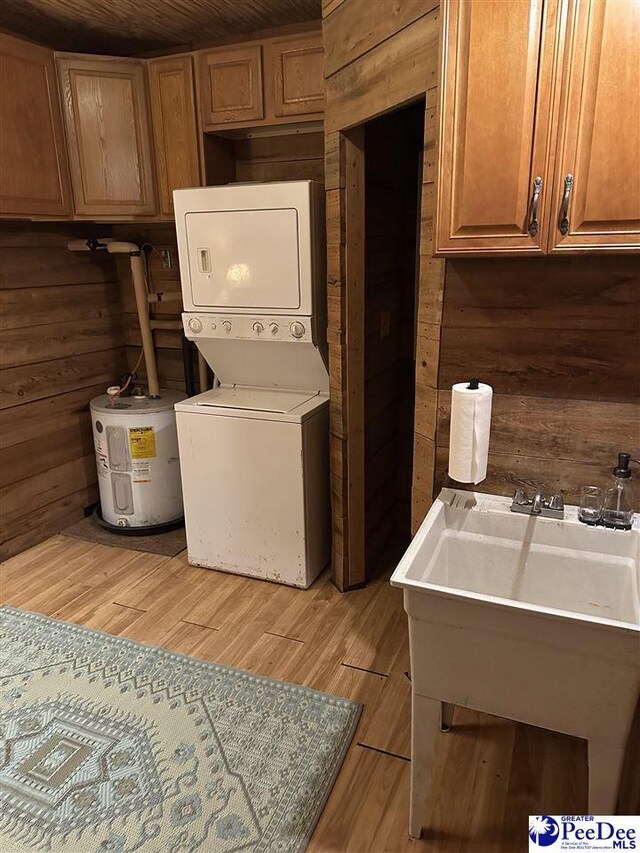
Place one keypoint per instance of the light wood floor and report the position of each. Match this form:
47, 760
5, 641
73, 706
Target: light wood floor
491, 773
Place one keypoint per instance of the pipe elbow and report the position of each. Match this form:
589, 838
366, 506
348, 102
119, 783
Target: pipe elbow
116, 247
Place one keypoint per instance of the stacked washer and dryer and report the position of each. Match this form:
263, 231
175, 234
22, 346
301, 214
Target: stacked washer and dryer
254, 451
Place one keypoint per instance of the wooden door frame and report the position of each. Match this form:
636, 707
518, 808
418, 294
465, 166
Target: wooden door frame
353, 143
396, 66
345, 220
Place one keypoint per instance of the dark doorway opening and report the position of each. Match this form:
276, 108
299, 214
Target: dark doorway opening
393, 147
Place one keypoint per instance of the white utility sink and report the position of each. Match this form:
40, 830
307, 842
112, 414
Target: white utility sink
530, 618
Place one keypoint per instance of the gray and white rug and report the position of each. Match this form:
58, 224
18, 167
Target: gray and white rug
111, 746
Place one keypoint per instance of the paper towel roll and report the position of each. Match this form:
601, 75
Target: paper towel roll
469, 435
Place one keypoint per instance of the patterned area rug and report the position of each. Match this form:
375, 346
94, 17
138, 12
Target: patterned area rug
111, 746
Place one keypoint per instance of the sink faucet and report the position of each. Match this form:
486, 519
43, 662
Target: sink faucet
537, 502
552, 507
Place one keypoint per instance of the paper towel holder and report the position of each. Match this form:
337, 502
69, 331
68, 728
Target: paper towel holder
473, 385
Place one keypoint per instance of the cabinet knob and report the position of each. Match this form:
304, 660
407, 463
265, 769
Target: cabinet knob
533, 224
564, 222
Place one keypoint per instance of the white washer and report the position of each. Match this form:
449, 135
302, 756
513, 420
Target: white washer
255, 451
257, 501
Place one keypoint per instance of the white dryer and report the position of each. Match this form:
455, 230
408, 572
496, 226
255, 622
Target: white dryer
255, 450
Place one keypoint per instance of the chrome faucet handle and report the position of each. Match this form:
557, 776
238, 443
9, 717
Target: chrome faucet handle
556, 502
520, 497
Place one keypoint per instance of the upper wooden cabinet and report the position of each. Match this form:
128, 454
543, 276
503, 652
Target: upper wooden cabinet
539, 117
175, 131
491, 148
108, 135
272, 81
231, 85
295, 73
34, 176
599, 134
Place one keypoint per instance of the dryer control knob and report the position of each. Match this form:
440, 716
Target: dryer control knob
274, 328
213, 326
226, 325
194, 324
258, 328
297, 330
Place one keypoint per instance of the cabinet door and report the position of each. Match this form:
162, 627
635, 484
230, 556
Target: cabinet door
599, 137
34, 176
108, 132
495, 101
295, 73
175, 131
231, 86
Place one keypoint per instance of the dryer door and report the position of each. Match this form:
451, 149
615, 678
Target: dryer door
244, 260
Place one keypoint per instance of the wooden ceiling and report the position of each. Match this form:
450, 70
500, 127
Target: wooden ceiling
139, 26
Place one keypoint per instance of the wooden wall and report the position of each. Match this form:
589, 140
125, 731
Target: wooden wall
371, 69
293, 157
61, 344
557, 338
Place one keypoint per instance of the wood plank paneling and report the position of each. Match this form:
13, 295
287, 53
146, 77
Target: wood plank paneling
57, 340
292, 170
389, 75
24, 384
44, 416
45, 488
507, 472
328, 6
556, 428
45, 266
350, 30
40, 306
568, 363
278, 158
38, 455
37, 525
112, 26
544, 293
300, 146
61, 345
558, 341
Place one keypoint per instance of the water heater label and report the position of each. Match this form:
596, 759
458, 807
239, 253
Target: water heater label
142, 442
141, 472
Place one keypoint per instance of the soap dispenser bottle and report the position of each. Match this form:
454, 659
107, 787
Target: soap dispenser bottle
618, 500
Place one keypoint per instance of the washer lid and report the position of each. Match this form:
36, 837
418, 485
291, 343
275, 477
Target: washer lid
278, 400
